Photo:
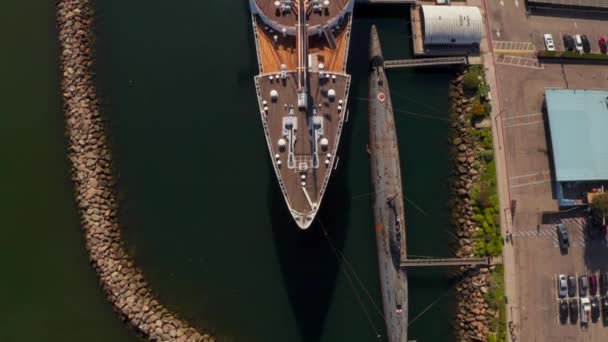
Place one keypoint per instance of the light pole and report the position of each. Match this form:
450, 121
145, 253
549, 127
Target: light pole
496, 125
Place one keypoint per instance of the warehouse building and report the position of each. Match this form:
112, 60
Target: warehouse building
578, 122
451, 25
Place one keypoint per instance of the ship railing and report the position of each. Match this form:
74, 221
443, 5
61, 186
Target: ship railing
348, 31
257, 42
338, 134
267, 136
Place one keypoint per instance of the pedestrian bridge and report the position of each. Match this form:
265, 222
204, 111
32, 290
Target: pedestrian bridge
423, 62
418, 262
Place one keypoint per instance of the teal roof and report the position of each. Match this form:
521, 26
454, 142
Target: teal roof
578, 120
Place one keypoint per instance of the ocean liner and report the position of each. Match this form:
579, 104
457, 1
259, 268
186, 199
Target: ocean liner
302, 89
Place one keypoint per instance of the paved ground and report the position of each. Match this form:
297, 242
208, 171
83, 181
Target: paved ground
524, 168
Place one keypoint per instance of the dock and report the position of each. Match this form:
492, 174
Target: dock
425, 62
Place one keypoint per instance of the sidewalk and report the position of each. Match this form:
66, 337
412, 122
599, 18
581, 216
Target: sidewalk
501, 170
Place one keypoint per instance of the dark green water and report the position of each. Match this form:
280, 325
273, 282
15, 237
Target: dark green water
202, 211
48, 291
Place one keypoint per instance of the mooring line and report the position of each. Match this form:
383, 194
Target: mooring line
341, 256
407, 112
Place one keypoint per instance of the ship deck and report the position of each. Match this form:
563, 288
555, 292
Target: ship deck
290, 18
303, 140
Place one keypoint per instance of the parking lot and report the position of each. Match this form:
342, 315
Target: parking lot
510, 23
521, 85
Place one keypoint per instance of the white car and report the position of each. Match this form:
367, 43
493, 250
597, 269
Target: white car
578, 43
562, 286
585, 310
549, 42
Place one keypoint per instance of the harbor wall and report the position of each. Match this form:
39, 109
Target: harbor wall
94, 184
473, 313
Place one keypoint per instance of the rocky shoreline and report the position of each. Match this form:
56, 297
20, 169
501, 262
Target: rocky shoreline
473, 313
91, 160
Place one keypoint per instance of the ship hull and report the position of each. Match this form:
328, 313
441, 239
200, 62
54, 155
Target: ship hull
388, 206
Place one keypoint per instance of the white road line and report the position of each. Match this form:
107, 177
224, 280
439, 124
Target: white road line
531, 174
530, 183
522, 116
525, 123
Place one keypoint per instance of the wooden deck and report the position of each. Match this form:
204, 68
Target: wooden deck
284, 51
332, 119
290, 18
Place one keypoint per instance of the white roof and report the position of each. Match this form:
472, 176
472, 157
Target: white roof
451, 25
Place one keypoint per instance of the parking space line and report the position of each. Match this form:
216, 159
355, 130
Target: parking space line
525, 124
545, 172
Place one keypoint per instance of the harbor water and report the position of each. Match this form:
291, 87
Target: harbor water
202, 212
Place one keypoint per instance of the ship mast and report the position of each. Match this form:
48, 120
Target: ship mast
302, 43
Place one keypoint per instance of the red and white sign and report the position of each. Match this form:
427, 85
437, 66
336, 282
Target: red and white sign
381, 96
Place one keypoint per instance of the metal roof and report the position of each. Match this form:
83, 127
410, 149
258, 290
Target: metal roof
451, 25
578, 121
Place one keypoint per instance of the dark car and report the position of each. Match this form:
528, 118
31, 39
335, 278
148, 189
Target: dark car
592, 284
568, 42
571, 286
602, 43
573, 306
595, 309
562, 235
584, 285
605, 310
603, 283
563, 311
586, 44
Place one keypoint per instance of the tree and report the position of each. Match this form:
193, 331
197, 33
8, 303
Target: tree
599, 207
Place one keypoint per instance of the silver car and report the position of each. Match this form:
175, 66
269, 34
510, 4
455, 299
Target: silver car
562, 286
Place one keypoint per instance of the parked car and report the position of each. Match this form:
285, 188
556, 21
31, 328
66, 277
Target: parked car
586, 44
573, 308
602, 43
562, 286
568, 42
563, 311
595, 309
585, 310
562, 234
605, 311
584, 285
549, 42
578, 43
603, 283
571, 286
592, 284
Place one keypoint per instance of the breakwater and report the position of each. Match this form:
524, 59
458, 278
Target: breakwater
473, 313
91, 161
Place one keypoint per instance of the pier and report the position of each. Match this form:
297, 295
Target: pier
449, 262
425, 62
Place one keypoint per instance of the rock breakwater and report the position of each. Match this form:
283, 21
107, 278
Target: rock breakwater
90, 157
473, 314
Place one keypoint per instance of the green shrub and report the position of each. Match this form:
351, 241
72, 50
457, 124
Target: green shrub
487, 155
472, 78
572, 55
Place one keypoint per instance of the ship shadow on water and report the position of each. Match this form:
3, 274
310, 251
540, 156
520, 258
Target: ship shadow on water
309, 264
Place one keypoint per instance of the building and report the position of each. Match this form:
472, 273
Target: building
578, 122
451, 25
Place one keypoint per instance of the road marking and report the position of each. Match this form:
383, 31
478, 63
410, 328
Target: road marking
522, 116
524, 124
530, 183
522, 62
546, 172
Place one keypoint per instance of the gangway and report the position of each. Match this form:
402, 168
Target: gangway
331, 40
418, 262
424, 62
